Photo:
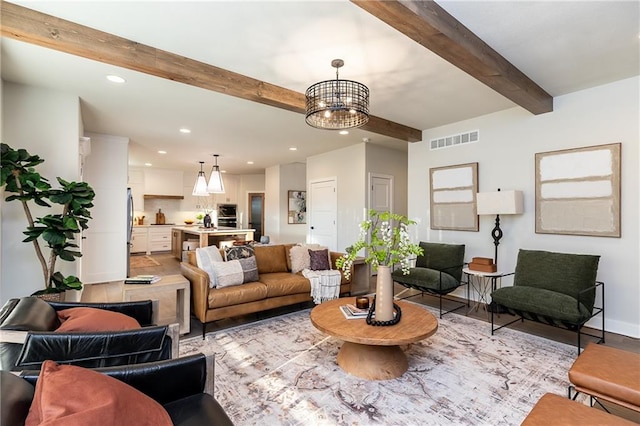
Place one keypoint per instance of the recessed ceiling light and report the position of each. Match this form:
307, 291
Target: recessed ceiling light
185, 130
249, 162
162, 152
115, 79
344, 132
148, 164
293, 148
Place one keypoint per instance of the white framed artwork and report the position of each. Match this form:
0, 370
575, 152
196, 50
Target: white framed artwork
578, 191
453, 197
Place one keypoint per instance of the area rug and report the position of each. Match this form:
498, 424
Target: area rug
282, 371
143, 262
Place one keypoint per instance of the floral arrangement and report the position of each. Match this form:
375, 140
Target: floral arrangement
385, 238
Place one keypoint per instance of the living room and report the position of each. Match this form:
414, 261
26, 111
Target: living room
505, 153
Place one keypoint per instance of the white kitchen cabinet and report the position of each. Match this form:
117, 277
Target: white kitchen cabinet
159, 238
230, 195
139, 240
163, 182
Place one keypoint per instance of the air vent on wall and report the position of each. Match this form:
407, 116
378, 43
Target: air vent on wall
453, 140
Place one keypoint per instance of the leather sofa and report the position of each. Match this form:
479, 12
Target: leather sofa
27, 336
276, 286
180, 385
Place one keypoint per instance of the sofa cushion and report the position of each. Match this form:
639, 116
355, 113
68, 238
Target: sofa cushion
91, 319
427, 278
229, 296
285, 283
205, 258
249, 269
442, 257
560, 272
238, 252
228, 273
69, 395
299, 257
319, 260
271, 259
550, 306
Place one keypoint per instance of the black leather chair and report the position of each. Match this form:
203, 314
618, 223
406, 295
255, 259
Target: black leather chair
27, 337
179, 385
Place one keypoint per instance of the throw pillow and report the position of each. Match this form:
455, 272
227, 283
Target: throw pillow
205, 257
319, 260
249, 269
300, 259
92, 319
228, 273
74, 396
271, 258
238, 252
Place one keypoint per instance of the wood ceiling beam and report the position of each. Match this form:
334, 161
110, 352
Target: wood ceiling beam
427, 23
37, 28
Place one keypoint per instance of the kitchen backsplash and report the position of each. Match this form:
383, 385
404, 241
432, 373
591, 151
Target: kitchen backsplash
170, 208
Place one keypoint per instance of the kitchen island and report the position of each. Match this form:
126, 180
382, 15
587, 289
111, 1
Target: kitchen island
207, 236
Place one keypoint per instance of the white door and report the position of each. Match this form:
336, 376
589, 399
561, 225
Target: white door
381, 195
323, 213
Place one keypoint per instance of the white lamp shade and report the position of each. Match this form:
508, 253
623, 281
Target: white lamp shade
499, 202
216, 186
200, 187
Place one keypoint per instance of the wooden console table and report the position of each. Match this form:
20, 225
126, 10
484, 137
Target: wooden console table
168, 283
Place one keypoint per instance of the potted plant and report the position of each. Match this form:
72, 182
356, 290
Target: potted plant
56, 230
385, 239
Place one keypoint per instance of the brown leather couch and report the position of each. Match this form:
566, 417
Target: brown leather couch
277, 286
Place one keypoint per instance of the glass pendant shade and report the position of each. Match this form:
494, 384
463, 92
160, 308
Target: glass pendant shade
200, 187
216, 185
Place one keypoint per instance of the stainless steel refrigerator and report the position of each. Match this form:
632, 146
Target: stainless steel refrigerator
129, 228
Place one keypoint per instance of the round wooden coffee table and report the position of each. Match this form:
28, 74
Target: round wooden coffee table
371, 352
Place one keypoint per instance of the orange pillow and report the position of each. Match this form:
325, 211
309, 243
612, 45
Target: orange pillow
92, 319
74, 396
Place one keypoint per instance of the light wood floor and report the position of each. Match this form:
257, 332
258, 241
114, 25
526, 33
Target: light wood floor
169, 265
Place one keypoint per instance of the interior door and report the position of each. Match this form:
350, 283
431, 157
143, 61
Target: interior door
256, 213
323, 212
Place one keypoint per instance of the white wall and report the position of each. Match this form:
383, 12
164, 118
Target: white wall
391, 162
45, 123
505, 154
272, 196
278, 181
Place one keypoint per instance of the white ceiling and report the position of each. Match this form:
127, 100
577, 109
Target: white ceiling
563, 46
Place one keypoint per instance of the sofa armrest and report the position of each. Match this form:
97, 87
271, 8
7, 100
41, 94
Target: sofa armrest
199, 280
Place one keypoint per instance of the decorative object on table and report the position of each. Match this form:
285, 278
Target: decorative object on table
215, 185
499, 203
160, 219
396, 314
385, 239
453, 197
483, 264
142, 279
188, 222
57, 230
207, 221
200, 187
140, 220
362, 302
297, 207
337, 104
578, 191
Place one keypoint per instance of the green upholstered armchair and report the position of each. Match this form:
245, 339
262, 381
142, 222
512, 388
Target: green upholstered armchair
438, 272
558, 289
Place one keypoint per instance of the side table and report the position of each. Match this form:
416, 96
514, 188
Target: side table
483, 283
168, 283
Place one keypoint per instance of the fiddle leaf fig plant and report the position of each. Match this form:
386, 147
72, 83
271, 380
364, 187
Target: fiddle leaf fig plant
58, 230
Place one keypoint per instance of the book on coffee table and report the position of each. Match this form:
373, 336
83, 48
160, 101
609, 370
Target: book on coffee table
351, 312
142, 279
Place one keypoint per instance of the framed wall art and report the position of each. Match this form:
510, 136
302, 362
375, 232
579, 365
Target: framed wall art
578, 191
453, 197
297, 207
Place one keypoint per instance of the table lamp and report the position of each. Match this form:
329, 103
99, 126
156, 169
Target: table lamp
499, 202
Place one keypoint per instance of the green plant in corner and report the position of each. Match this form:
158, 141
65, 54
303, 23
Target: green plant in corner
385, 238
57, 230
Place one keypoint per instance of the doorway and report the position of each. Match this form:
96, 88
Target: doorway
256, 213
323, 213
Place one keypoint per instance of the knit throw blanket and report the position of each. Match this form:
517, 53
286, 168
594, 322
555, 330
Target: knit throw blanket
325, 285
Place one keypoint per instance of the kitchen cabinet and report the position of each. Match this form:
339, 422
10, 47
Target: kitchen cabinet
163, 182
176, 244
139, 240
159, 238
230, 196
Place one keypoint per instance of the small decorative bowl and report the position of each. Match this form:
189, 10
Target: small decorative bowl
188, 222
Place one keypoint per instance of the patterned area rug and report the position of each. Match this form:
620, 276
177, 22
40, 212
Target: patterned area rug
284, 371
143, 262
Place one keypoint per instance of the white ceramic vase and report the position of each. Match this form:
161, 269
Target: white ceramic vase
384, 294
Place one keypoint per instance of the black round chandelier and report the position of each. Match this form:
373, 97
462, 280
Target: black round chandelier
337, 104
